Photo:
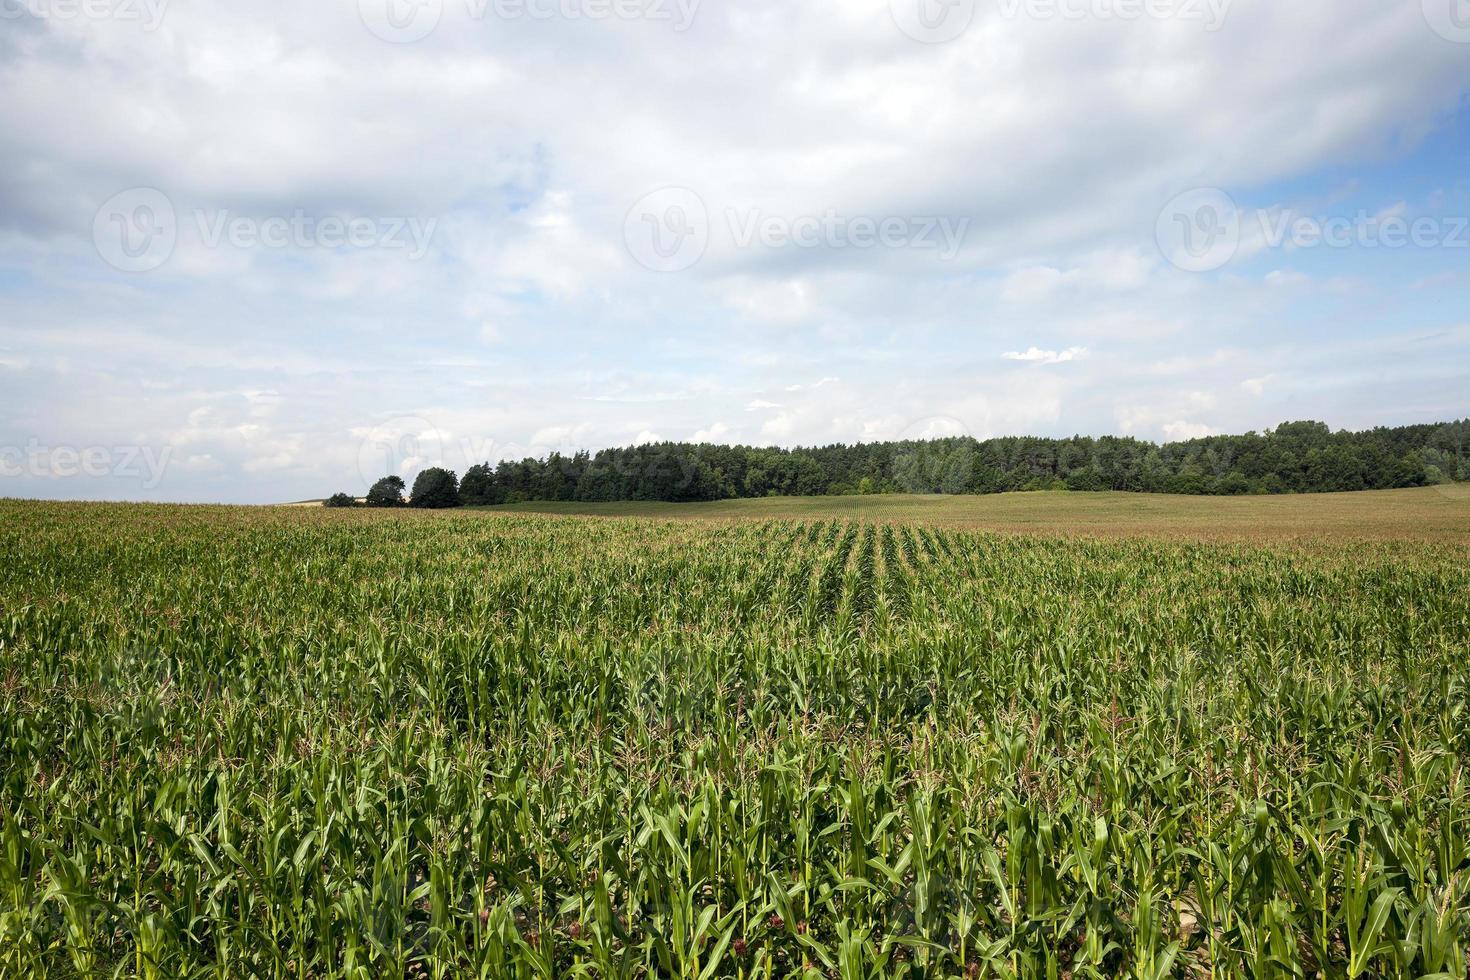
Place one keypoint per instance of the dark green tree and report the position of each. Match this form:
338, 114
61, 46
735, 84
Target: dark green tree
340, 500
435, 489
387, 492
479, 487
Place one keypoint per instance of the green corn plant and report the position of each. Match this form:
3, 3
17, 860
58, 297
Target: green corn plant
283, 743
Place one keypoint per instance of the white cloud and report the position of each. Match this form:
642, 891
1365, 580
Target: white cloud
631, 395
1113, 271
1256, 386
814, 385
1202, 399
1031, 283
1036, 355
555, 436
717, 432
1287, 279
780, 429
1436, 281
785, 301
1184, 431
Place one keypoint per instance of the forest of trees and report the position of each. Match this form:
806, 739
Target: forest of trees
1296, 457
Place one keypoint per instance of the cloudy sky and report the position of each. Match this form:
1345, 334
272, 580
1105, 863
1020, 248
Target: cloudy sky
262, 252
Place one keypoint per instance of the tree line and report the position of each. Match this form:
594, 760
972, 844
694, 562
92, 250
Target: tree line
1295, 457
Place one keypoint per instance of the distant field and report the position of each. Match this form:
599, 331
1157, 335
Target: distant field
1425, 514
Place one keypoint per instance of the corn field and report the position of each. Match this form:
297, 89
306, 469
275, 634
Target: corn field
276, 743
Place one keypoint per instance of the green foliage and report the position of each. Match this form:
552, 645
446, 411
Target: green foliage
435, 489
245, 742
1298, 457
478, 488
387, 492
340, 500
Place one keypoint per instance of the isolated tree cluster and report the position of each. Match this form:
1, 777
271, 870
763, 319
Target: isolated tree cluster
433, 489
